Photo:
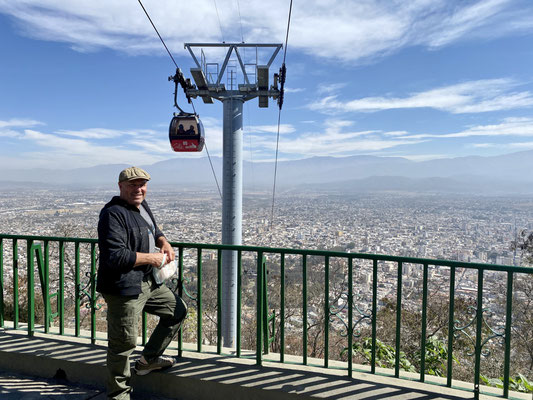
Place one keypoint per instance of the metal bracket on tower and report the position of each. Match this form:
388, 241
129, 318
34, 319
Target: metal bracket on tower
248, 89
262, 85
199, 77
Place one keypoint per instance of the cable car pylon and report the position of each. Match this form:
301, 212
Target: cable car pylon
209, 86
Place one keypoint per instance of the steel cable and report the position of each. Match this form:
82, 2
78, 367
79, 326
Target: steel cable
192, 103
279, 120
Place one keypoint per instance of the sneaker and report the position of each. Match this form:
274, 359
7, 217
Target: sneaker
159, 363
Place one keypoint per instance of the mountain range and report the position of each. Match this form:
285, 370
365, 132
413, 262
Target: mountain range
504, 174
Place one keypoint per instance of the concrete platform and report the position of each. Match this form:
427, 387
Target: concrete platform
18, 386
79, 366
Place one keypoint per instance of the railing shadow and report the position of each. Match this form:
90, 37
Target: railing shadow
194, 372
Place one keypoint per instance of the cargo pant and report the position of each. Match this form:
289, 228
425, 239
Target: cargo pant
123, 314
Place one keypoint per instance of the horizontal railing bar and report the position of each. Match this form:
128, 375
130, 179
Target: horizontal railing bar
364, 256
51, 238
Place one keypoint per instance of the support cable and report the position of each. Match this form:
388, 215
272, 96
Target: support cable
219, 23
156, 31
240, 20
178, 78
213, 169
283, 71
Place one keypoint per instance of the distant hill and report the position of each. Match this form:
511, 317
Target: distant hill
457, 185
505, 174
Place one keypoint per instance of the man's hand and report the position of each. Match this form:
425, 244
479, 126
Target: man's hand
166, 248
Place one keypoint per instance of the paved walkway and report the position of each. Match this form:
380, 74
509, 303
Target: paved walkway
24, 387
196, 376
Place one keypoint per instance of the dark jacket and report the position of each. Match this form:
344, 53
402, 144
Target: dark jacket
122, 232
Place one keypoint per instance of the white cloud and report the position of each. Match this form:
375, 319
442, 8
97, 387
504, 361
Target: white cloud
425, 157
509, 127
117, 24
154, 146
335, 140
294, 90
9, 133
103, 133
468, 97
510, 146
342, 29
396, 133
521, 145
19, 123
330, 88
460, 21
48, 140
283, 129
484, 145
53, 151
323, 146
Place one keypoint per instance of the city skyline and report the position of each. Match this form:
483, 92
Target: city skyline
85, 84
464, 228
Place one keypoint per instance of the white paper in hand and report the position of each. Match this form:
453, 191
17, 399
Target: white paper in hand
165, 272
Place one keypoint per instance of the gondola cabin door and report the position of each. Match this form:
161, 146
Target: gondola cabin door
186, 133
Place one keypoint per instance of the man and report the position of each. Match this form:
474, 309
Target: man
127, 238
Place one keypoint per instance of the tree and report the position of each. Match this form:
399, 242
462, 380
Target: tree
522, 328
524, 243
385, 354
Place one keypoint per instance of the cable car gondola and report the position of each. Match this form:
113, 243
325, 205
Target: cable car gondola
186, 133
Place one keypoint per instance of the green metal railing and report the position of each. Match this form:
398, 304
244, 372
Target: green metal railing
38, 253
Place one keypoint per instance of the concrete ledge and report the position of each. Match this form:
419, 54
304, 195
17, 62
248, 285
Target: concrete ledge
208, 376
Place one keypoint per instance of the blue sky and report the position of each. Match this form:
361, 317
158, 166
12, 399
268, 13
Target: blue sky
84, 83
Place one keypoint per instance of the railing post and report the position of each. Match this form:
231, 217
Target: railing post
398, 319
77, 287
45, 282
451, 328
374, 313
199, 301
282, 311
144, 327
37, 251
30, 287
180, 293
259, 308
15, 284
304, 303
219, 301
61, 297
326, 312
265, 307
93, 293
1, 283
479, 326
508, 322
350, 317
424, 322
239, 301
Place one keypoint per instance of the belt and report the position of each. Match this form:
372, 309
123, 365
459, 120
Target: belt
147, 277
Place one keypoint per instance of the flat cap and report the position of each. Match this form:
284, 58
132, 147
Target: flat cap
133, 173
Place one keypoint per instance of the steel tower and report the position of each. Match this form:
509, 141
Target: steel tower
255, 83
